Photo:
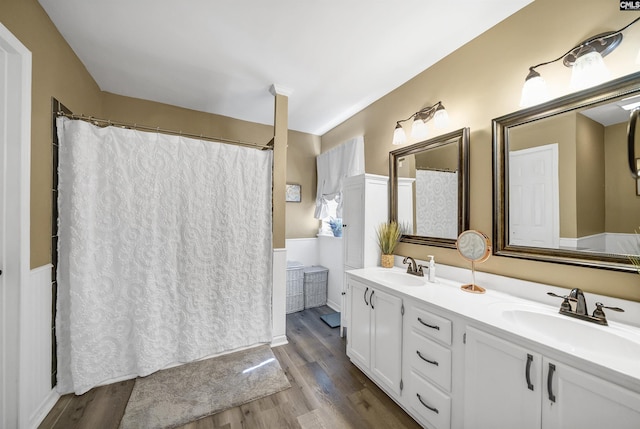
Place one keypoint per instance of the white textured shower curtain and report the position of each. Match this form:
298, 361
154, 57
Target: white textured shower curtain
437, 203
164, 252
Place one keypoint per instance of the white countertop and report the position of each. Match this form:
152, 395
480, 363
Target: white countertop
487, 309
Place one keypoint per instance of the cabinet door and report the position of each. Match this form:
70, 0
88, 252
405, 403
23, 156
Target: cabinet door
573, 398
386, 339
359, 332
353, 218
499, 377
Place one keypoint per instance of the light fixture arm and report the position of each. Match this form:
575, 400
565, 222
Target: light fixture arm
424, 114
419, 130
586, 43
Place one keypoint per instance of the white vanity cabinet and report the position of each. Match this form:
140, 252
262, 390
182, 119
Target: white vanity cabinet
511, 386
585, 401
427, 365
374, 338
497, 394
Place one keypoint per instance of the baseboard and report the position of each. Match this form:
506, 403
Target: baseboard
332, 305
43, 410
280, 340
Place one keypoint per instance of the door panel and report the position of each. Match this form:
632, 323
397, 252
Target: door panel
496, 378
534, 215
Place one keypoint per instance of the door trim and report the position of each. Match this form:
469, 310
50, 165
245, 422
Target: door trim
15, 142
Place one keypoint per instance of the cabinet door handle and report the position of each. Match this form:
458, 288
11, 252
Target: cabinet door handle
436, 327
631, 142
371, 299
528, 371
552, 369
435, 410
365, 296
432, 362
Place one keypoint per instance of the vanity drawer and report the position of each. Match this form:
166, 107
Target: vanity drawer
429, 324
430, 359
429, 403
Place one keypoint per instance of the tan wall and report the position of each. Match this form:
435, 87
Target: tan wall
57, 72
440, 158
622, 203
560, 130
590, 176
301, 169
481, 81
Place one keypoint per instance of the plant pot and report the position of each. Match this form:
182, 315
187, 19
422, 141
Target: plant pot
386, 261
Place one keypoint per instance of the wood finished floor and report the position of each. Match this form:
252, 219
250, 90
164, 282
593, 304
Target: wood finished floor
327, 391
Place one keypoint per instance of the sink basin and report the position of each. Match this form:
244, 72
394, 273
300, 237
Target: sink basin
613, 342
400, 279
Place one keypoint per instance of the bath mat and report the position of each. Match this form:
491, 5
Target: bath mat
331, 319
176, 396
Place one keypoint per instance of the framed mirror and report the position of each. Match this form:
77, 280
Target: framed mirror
563, 190
429, 189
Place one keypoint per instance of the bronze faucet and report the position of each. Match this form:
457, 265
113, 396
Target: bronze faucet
414, 269
576, 295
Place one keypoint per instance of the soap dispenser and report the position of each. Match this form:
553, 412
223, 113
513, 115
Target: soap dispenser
432, 269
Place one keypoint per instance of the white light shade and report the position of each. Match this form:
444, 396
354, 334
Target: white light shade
441, 118
588, 70
534, 91
419, 129
399, 137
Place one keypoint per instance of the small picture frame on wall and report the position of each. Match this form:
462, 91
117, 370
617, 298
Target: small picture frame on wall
638, 180
294, 193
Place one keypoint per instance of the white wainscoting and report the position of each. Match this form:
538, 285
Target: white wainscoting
326, 251
606, 242
330, 255
303, 250
36, 395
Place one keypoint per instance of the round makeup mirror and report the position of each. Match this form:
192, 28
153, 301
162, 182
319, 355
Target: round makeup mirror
473, 246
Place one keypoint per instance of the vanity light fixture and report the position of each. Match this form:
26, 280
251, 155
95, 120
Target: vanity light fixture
585, 61
419, 130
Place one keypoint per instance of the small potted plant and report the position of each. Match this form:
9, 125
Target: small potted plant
388, 234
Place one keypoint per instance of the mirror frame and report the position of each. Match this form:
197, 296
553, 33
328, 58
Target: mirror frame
463, 185
624, 86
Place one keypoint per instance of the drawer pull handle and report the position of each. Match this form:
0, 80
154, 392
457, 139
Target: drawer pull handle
365, 296
435, 410
436, 327
371, 299
528, 371
552, 369
432, 362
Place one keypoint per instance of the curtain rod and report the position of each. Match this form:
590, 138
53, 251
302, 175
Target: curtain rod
108, 122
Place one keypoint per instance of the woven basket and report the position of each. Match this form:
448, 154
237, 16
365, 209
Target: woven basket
315, 286
386, 261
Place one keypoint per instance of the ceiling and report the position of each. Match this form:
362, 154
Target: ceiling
614, 112
222, 56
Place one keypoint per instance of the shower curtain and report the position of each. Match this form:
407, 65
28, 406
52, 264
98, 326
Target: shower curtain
437, 203
164, 252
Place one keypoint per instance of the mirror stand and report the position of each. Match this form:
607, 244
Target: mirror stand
474, 246
473, 287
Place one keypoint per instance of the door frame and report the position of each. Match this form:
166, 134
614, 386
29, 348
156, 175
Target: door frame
15, 144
